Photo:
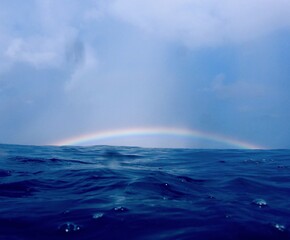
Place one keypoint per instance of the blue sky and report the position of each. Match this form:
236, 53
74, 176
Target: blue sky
72, 67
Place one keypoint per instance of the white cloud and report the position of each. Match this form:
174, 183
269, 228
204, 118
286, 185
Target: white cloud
40, 38
31, 51
205, 22
97, 10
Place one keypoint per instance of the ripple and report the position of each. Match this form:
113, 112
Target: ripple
18, 189
98, 215
280, 227
210, 196
168, 194
69, 227
260, 202
188, 179
5, 173
120, 209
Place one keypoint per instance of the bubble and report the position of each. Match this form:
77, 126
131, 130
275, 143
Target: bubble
66, 212
69, 227
260, 202
279, 227
252, 161
210, 196
121, 209
98, 215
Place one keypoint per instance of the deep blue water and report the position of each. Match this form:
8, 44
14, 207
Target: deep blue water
104, 192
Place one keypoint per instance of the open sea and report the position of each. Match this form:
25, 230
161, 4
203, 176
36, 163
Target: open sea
104, 192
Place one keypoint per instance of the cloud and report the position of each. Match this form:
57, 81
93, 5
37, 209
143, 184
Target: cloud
32, 52
84, 64
202, 23
70, 67
37, 32
49, 26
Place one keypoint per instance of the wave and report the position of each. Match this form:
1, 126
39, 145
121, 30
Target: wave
110, 192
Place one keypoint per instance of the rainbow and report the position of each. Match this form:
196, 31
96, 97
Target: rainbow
155, 131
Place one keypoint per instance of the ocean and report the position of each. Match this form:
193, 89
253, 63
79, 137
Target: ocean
106, 192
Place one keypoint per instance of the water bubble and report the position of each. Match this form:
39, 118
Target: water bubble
260, 202
66, 212
121, 209
98, 215
279, 227
165, 186
210, 196
252, 161
69, 227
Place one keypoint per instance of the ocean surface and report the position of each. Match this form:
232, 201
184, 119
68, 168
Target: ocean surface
104, 192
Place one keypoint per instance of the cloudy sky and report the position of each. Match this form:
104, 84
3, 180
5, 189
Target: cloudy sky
71, 67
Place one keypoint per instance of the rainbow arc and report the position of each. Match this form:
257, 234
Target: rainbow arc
99, 136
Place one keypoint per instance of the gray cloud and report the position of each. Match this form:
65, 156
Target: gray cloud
75, 67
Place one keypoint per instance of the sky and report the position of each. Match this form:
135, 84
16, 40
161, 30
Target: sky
70, 68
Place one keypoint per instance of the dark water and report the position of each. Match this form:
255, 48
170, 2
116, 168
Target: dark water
106, 192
